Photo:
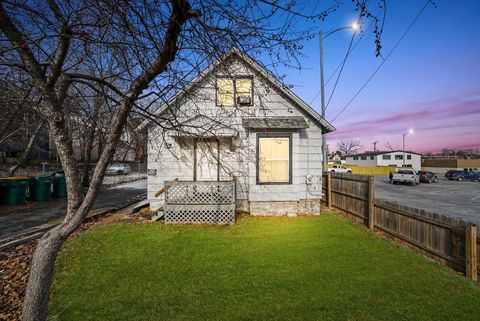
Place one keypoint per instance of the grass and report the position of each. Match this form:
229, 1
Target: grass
305, 268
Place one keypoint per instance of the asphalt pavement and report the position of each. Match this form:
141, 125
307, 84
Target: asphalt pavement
20, 222
451, 198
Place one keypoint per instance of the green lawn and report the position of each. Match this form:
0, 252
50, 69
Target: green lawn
305, 268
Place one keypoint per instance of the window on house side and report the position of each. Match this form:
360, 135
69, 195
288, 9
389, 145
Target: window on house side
386, 156
363, 157
273, 160
398, 157
225, 93
372, 157
355, 157
409, 156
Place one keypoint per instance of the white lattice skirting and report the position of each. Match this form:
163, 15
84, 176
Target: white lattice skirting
200, 202
200, 214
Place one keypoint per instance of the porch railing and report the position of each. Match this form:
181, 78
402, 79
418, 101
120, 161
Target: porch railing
203, 202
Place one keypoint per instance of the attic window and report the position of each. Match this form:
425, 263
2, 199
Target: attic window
243, 91
234, 91
225, 92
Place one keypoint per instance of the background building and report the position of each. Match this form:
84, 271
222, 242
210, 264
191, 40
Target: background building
386, 158
441, 165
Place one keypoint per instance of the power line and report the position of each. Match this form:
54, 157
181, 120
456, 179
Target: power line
361, 35
341, 69
380, 66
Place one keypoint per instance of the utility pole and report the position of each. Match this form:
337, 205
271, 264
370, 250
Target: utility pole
375, 146
354, 26
410, 131
322, 90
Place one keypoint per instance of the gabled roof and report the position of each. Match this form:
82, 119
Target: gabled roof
382, 153
284, 90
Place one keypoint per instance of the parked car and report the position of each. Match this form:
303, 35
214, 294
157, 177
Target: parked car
118, 169
463, 175
448, 173
406, 175
340, 169
427, 177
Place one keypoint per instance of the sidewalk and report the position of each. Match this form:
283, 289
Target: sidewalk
19, 222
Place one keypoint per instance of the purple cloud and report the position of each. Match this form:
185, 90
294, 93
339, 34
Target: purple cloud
442, 123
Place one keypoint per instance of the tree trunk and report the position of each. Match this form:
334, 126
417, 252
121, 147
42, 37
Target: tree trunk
40, 279
26, 152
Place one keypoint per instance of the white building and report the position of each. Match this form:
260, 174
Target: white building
236, 122
386, 158
336, 159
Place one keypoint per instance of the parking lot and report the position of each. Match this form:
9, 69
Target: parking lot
452, 198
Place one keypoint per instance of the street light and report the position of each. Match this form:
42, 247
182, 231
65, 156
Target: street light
355, 26
410, 131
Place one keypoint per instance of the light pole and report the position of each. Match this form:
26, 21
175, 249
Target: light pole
354, 26
410, 131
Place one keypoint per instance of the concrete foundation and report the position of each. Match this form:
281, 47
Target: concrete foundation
285, 208
271, 208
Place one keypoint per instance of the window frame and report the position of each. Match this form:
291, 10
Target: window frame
363, 157
290, 155
409, 157
387, 157
234, 78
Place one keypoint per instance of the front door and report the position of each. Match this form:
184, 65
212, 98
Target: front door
206, 160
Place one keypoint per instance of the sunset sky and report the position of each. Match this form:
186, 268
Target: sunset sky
430, 82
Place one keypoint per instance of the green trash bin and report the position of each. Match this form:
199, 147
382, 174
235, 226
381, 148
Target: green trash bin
15, 190
59, 186
40, 187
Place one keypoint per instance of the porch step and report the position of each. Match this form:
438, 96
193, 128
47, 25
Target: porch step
160, 214
140, 205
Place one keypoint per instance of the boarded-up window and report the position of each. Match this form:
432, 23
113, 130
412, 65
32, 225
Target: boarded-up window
225, 92
274, 160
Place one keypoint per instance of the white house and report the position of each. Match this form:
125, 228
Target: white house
336, 159
237, 123
386, 158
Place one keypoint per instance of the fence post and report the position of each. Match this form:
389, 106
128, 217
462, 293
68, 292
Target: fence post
371, 202
329, 190
471, 251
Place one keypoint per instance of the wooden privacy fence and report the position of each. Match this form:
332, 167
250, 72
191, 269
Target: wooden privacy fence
451, 241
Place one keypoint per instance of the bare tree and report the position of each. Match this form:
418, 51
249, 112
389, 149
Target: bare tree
348, 146
135, 55
21, 124
389, 146
23, 157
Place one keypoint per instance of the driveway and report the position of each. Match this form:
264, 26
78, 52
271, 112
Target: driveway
451, 198
20, 222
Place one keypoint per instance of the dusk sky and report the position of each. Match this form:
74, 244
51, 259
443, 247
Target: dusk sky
430, 82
